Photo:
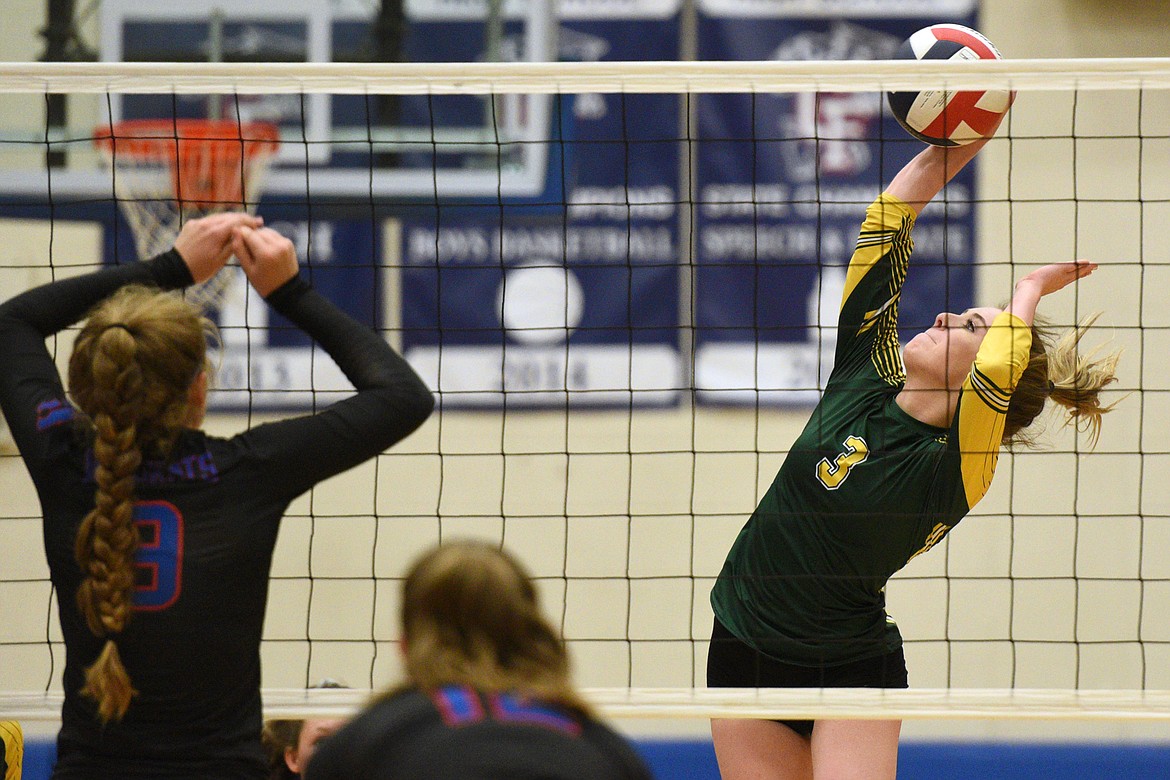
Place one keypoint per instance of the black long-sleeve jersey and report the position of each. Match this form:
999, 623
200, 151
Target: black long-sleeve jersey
208, 519
459, 732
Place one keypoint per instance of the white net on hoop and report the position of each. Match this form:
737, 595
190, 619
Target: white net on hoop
165, 172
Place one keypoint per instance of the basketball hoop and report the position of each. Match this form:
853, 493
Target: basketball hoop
166, 171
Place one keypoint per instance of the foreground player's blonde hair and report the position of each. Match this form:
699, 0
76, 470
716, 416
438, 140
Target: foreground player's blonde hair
130, 373
470, 616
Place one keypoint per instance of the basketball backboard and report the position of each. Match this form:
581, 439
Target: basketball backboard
217, 31
332, 146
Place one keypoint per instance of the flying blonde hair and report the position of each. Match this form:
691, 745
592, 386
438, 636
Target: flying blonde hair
1058, 370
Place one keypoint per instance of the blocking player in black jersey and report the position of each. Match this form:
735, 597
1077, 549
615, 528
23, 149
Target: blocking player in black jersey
489, 694
901, 446
158, 536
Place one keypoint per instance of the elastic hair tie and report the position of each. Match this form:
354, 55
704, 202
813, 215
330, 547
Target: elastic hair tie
133, 333
1051, 386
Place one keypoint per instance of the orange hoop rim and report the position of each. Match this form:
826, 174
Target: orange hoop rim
155, 139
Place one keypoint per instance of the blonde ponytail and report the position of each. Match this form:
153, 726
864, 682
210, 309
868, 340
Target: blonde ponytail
107, 538
1058, 369
1077, 379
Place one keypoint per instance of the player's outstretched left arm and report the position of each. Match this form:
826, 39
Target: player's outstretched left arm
1045, 281
392, 400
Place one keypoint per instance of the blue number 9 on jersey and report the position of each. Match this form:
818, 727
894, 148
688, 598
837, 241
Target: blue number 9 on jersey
159, 559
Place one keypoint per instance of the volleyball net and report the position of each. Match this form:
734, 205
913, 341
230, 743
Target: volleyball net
621, 280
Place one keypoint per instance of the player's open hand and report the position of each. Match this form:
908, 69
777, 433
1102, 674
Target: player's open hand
1050, 278
205, 244
268, 258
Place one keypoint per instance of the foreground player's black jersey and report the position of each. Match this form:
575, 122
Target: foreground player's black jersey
208, 519
460, 733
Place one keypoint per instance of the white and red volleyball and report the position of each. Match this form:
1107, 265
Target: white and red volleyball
941, 117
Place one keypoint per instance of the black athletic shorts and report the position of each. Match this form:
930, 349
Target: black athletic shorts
733, 664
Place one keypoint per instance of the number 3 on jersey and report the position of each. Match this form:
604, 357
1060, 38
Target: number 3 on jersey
158, 563
832, 473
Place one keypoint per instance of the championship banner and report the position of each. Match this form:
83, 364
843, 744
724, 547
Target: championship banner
783, 184
542, 312
570, 296
515, 246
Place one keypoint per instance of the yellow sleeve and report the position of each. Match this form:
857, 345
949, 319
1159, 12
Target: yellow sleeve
13, 738
887, 221
867, 325
983, 405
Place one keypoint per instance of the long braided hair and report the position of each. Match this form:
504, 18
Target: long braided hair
130, 373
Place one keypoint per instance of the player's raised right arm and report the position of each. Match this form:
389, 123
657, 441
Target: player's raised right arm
391, 402
924, 176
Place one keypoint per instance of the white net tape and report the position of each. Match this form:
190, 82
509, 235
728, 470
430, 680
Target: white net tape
773, 703
578, 77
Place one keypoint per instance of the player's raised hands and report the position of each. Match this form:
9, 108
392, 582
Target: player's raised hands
205, 244
268, 258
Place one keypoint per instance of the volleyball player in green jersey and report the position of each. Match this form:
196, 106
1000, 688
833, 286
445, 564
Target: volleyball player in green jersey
902, 445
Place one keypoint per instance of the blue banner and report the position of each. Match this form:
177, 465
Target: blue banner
571, 296
783, 183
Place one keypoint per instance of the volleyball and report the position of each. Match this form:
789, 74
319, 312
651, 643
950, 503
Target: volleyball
938, 116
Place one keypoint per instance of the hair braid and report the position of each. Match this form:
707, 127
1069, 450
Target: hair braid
130, 372
107, 539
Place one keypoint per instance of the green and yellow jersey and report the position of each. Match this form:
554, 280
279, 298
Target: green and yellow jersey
865, 487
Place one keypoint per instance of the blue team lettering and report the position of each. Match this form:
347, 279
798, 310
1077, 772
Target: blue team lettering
512, 709
197, 467
52, 413
460, 706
